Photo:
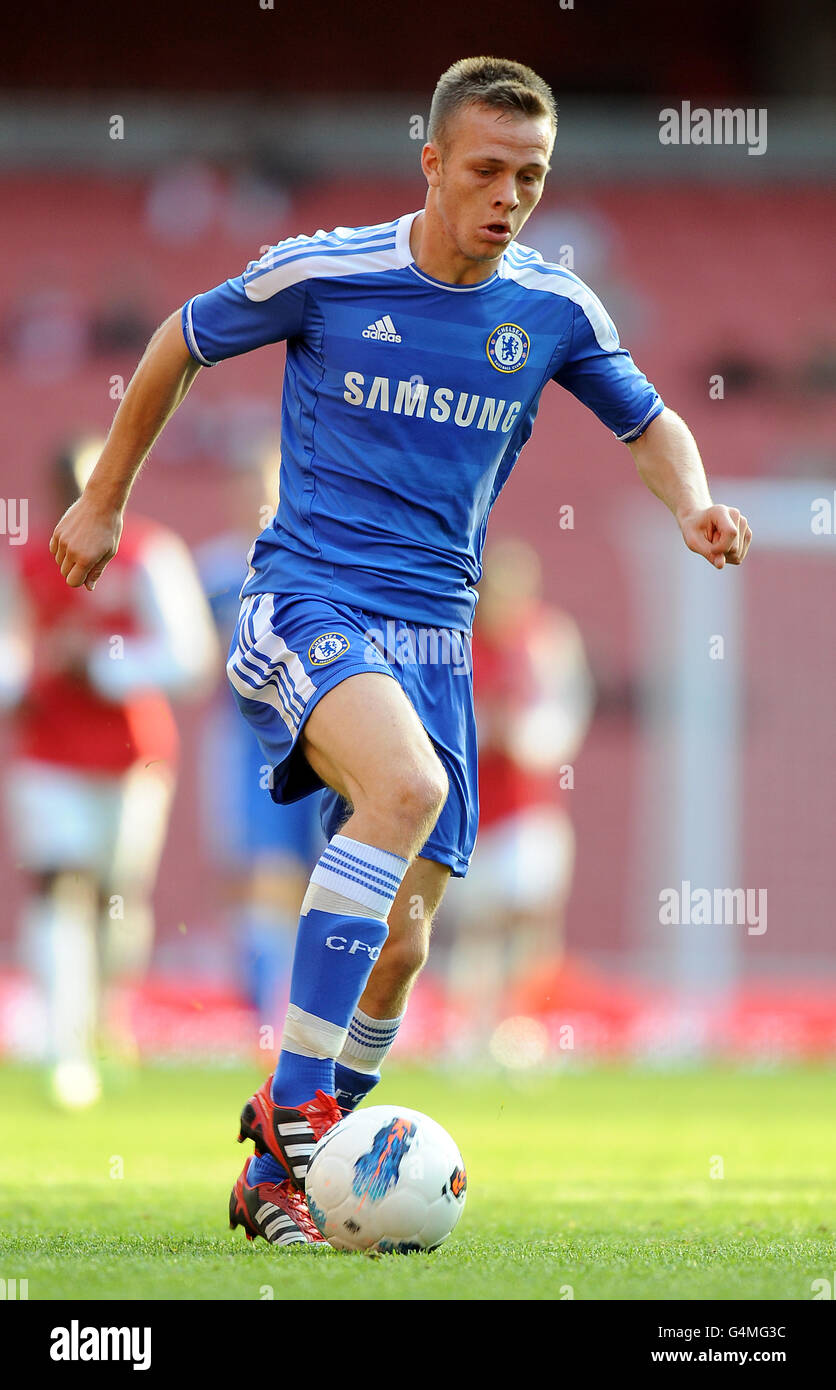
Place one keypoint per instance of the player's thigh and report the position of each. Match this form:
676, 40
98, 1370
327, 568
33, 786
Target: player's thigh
365, 740
145, 797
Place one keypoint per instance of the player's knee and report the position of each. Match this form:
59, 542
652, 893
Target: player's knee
416, 794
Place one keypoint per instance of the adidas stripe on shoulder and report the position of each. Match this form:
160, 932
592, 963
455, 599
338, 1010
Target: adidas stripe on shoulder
343, 251
526, 267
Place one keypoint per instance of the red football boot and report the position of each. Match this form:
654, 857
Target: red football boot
275, 1211
290, 1134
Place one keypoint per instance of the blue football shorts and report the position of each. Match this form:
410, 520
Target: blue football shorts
244, 825
288, 651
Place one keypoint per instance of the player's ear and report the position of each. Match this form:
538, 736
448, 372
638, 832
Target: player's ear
431, 164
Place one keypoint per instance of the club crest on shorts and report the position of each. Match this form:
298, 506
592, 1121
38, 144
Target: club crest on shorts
327, 648
507, 347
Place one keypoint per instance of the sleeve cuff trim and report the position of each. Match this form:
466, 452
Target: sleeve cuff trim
656, 409
188, 334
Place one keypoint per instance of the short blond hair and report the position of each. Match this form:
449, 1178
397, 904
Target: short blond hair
496, 82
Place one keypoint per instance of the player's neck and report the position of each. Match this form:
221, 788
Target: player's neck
435, 254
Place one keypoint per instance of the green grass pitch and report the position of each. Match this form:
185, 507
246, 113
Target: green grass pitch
592, 1184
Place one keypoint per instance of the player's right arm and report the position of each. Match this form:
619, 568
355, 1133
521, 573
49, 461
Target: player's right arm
263, 305
87, 536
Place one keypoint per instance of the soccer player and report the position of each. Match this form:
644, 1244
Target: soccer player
88, 789
532, 714
416, 354
262, 858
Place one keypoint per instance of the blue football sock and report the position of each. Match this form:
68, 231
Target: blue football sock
265, 1168
266, 953
297, 1078
342, 930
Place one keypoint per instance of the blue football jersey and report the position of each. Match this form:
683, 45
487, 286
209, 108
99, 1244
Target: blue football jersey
406, 402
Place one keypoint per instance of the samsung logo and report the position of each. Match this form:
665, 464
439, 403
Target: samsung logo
413, 397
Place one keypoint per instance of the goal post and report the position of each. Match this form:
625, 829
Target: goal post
692, 626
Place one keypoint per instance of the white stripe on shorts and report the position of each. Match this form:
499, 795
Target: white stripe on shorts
282, 680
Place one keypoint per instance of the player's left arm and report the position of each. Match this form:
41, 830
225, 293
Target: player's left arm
602, 374
669, 463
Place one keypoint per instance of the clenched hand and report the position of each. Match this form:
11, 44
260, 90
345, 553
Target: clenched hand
719, 533
85, 539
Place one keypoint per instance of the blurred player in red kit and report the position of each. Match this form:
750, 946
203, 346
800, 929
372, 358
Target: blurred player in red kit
261, 854
534, 699
90, 783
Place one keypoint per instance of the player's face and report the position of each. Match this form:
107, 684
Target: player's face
490, 178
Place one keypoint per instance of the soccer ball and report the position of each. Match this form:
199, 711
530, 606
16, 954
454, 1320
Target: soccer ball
386, 1179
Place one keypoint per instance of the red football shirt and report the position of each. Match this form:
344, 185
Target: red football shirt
63, 719
506, 683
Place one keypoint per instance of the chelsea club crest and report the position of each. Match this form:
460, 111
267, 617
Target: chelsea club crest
507, 347
327, 648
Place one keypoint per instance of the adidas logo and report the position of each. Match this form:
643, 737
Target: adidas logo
282, 1230
382, 329
299, 1129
